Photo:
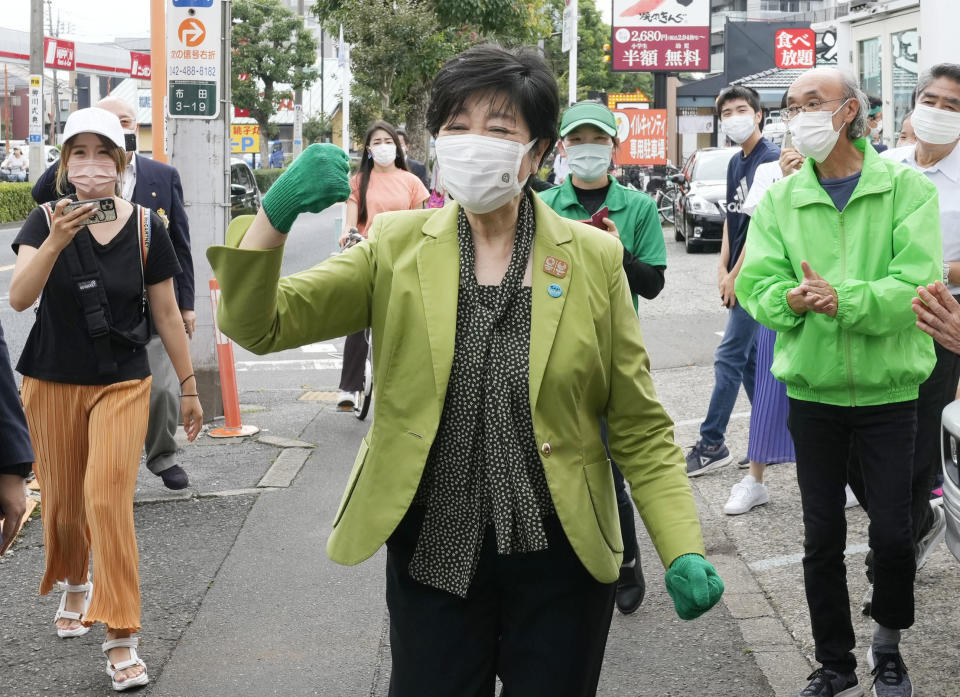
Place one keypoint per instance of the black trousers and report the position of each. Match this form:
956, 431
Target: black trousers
539, 621
16, 451
884, 436
355, 349
936, 392
628, 528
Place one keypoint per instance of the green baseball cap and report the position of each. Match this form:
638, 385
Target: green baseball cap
591, 113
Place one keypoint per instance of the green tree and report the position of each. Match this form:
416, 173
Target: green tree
592, 72
317, 129
398, 47
274, 49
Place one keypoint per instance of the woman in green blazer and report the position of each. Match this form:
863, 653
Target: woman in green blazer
494, 323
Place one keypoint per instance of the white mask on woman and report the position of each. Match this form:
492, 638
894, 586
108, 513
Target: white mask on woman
589, 161
738, 127
935, 126
481, 172
813, 134
384, 153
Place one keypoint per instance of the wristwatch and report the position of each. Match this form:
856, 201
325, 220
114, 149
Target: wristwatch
946, 272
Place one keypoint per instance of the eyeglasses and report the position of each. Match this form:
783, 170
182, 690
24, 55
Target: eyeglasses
814, 105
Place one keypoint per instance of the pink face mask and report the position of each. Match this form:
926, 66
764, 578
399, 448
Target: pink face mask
91, 176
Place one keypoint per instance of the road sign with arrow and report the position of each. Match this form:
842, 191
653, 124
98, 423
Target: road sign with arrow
194, 46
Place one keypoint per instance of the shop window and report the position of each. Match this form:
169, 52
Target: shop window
870, 76
904, 47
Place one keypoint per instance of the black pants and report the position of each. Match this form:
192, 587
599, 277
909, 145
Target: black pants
355, 349
16, 451
538, 620
936, 392
884, 436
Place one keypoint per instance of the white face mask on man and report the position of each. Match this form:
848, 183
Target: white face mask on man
739, 127
935, 126
813, 133
481, 172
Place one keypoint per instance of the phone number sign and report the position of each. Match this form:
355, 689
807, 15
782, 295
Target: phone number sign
193, 48
661, 35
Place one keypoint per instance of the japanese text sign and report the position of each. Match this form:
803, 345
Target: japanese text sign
193, 53
139, 65
661, 35
244, 138
59, 54
36, 109
643, 137
795, 48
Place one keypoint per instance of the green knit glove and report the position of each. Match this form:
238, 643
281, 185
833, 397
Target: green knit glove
694, 585
317, 179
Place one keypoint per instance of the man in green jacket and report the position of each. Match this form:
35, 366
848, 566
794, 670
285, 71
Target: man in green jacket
836, 252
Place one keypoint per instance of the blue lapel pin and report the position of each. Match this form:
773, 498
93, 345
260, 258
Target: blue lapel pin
554, 290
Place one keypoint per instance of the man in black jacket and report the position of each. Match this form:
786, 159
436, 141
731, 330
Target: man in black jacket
154, 185
415, 166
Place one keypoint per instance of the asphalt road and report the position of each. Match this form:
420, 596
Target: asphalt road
239, 598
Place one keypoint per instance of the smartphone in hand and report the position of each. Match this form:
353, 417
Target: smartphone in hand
597, 218
105, 212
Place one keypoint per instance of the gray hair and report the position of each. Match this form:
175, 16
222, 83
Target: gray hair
851, 90
948, 70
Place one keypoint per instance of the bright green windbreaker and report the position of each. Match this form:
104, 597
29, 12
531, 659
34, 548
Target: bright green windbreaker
875, 253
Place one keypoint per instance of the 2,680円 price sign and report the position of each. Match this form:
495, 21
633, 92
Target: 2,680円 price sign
661, 35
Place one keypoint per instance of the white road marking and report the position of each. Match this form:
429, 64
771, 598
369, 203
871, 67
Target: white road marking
314, 364
8, 267
720, 334
787, 559
319, 348
695, 422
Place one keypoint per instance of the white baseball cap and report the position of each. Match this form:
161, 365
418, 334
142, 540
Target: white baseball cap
94, 120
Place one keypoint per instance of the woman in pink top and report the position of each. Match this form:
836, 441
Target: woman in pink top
383, 183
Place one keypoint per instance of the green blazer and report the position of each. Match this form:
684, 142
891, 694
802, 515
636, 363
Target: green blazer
587, 361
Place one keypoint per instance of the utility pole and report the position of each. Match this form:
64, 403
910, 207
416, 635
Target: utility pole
55, 102
571, 18
36, 89
200, 150
298, 103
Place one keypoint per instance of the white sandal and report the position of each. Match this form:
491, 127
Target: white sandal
63, 613
131, 643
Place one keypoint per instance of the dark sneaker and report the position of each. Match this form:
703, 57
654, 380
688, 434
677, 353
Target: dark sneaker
932, 538
826, 683
744, 463
890, 677
630, 588
174, 478
707, 458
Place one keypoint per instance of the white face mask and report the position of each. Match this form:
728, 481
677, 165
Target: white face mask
738, 127
877, 130
481, 172
935, 126
589, 161
384, 153
813, 134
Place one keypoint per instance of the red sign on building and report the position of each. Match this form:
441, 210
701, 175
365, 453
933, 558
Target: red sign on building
140, 65
795, 48
643, 137
661, 35
59, 54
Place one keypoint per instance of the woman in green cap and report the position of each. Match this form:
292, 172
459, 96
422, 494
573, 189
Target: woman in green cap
588, 133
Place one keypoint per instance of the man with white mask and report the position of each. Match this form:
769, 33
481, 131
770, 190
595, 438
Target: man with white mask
936, 154
851, 356
735, 360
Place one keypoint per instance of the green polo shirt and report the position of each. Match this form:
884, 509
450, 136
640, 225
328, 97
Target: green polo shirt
633, 212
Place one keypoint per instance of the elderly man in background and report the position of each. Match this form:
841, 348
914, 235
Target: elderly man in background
836, 252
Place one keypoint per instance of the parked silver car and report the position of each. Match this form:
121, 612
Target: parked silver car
951, 475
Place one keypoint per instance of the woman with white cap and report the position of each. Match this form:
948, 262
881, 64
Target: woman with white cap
87, 382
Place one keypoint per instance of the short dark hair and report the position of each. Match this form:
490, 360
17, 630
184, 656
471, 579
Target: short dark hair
874, 102
520, 79
948, 70
747, 94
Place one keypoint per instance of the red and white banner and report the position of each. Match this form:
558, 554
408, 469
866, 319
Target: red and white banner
643, 136
140, 65
795, 48
661, 35
59, 54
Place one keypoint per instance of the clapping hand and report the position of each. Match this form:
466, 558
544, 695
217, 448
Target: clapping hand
938, 314
813, 294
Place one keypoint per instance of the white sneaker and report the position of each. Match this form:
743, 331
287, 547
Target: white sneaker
346, 401
746, 494
851, 498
